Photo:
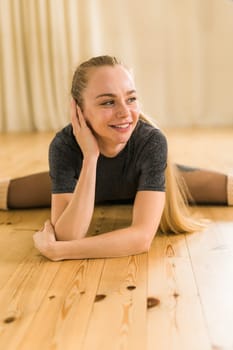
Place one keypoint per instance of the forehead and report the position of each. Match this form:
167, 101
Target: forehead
108, 79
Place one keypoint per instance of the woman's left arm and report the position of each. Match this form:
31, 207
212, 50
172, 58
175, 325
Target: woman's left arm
135, 239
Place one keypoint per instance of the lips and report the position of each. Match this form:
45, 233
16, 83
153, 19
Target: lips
121, 126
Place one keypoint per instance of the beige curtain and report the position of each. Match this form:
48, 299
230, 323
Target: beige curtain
181, 52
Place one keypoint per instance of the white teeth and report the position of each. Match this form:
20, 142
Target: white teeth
123, 126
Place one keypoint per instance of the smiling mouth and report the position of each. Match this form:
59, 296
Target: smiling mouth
121, 126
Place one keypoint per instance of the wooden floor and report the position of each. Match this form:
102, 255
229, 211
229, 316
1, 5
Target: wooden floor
179, 296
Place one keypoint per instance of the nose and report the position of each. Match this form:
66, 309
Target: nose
122, 110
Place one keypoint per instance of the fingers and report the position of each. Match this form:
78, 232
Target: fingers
48, 227
44, 236
73, 107
74, 117
77, 118
35, 235
81, 118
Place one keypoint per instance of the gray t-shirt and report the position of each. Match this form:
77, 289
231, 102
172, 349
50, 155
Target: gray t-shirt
139, 166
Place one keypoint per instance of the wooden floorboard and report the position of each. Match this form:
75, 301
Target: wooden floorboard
176, 297
177, 313
119, 316
211, 254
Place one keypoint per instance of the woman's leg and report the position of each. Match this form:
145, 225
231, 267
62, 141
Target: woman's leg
207, 187
33, 191
30, 191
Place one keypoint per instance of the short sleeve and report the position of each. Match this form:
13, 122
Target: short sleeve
153, 162
65, 165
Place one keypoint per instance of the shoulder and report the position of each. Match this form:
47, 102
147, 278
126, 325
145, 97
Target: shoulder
64, 148
64, 136
64, 139
151, 157
148, 137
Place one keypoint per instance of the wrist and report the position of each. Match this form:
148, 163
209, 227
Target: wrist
55, 252
89, 163
67, 250
90, 158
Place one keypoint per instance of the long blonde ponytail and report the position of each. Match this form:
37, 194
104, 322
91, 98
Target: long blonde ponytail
176, 217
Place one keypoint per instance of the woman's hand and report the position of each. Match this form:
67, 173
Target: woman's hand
45, 241
83, 133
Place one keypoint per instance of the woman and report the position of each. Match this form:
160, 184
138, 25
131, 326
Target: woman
112, 152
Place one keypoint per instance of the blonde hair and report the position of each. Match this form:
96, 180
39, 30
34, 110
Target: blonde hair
80, 77
176, 217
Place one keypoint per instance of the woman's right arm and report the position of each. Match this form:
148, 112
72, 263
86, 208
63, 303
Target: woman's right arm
72, 213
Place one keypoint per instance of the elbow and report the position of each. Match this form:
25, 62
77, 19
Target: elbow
142, 247
144, 242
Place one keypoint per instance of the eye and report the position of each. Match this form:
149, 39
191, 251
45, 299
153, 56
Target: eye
132, 99
107, 103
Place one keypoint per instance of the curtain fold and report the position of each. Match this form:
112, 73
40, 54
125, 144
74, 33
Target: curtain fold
181, 53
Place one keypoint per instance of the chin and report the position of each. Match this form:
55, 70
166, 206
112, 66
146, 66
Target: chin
123, 140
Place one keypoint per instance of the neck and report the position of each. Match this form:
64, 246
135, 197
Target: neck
111, 151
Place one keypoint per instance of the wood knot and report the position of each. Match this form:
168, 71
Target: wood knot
99, 297
131, 287
10, 319
170, 251
152, 302
176, 295
52, 297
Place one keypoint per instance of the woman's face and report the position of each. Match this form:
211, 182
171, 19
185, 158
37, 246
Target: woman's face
110, 106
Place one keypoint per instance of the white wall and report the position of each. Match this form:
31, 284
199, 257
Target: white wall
181, 52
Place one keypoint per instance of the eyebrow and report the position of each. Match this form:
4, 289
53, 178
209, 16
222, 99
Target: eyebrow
113, 95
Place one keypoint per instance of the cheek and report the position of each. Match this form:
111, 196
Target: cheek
136, 107
97, 119
135, 110
103, 116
